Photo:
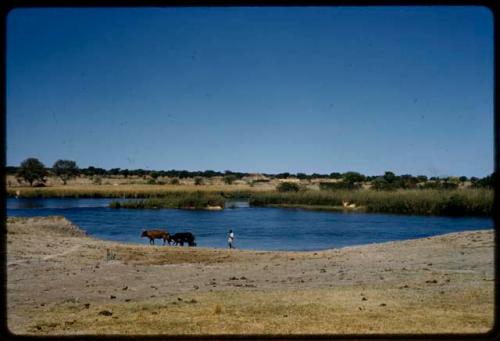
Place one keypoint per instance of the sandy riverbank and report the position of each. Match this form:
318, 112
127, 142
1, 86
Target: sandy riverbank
60, 281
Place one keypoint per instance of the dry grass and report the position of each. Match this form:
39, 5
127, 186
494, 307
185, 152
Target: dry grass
322, 311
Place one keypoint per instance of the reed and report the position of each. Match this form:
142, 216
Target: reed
139, 191
459, 202
183, 200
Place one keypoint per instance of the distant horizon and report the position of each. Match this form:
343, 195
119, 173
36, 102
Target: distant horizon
257, 172
407, 89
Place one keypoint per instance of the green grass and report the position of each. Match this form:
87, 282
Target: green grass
460, 202
126, 191
196, 200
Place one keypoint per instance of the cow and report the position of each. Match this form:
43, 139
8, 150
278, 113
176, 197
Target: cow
183, 237
156, 234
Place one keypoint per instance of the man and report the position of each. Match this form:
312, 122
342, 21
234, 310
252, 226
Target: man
230, 239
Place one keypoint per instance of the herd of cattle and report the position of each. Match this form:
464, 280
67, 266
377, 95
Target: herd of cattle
177, 239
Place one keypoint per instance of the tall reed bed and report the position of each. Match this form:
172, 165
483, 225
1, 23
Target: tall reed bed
460, 202
124, 191
192, 200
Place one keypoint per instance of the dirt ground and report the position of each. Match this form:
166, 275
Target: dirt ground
62, 282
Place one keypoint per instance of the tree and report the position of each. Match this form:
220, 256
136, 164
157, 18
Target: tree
32, 170
229, 179
125, 173
390, 177
283, 175
114, 171
65, 169
353, 177
302, 176
407, 181
335, 175
488, 181
379, 183
422, 178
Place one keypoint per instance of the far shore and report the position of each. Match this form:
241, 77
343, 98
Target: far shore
440, 202
329, 208
62, 282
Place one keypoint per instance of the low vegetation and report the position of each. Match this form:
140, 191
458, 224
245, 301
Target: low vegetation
288, 187
183, 200
390, 193
474, 202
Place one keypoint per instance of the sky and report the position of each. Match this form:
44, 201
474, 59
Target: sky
304, 89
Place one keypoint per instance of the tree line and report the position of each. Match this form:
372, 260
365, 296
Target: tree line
33, 171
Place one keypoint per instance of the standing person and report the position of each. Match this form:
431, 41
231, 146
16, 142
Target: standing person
230, 239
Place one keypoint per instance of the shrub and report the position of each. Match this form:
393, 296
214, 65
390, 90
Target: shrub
288, 187
256, 181
115, 204
340, 185
229, 179
198, 181
174, 181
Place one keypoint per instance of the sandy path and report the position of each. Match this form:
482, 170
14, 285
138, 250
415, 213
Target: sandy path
439, 284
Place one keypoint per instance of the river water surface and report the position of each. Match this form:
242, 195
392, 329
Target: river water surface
254, 228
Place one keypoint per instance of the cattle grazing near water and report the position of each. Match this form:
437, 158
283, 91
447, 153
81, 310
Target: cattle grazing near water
156, 234
183, 237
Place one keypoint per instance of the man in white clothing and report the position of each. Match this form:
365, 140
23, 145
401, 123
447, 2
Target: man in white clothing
230, 239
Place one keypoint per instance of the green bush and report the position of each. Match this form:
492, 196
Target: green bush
340, 185
288, 187
229, 179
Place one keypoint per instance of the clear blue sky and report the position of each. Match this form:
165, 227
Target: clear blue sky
254, 89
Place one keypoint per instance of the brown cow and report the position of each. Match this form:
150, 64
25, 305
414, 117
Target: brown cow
156, 234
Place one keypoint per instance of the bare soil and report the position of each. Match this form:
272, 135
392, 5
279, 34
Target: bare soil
62, 282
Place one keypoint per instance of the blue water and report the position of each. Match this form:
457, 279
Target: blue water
254, 228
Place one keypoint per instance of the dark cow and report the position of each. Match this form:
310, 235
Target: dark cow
156, 234
183, 237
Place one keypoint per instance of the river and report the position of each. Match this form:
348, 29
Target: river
254, 228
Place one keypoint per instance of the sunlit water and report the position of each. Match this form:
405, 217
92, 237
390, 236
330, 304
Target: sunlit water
255, 228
